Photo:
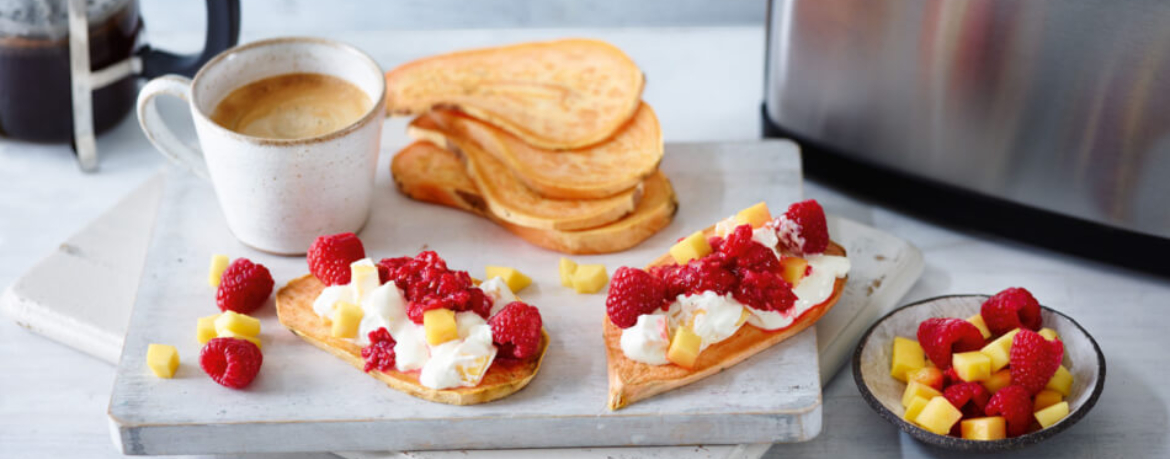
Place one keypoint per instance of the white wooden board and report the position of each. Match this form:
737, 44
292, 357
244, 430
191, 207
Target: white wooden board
307, 400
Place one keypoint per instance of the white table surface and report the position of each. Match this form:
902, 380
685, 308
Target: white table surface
706, 84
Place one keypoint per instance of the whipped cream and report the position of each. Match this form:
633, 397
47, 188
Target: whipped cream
496, 289
711, 316
814, 289
648, 340
459, 362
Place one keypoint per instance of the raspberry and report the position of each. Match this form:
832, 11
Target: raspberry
764, 291
633, 292
802, 229
1011, 309
1015, 405
743, 252
516, 330
244, 287
329, 257
1034, 360
950, 376
379, 354
428, 284
942, 337
231, 362
969, 397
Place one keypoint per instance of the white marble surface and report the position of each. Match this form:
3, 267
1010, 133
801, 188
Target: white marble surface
706, 84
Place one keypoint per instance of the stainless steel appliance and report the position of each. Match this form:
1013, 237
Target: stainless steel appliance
1052, 116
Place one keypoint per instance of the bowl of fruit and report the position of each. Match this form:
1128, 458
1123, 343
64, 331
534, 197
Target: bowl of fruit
978, 372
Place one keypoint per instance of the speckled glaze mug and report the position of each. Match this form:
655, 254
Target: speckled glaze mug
277, 195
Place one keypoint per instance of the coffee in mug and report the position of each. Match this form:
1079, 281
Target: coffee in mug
292, 106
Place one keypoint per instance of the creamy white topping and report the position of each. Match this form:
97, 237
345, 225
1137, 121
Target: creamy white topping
648, 340
713, 317
726, 226
496, 289
459, 362
814, 289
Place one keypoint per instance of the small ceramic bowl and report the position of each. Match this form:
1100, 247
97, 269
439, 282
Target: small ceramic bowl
871, 369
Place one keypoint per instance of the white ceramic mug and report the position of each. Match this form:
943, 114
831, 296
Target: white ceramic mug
277, 195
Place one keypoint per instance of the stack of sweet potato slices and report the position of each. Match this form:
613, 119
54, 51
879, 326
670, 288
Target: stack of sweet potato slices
550, 140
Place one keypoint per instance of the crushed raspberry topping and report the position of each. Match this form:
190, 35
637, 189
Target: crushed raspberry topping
427, 284
765, 291
379, 354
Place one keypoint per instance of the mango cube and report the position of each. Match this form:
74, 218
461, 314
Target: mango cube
793, 269
692, 247
977, 321
906, 357
218, 264
938, 416
930, 376
1061, 382
972, 366
236, 323
231, 334
755, 215
345, 318
917, 389
915, 408
1000, 350
590, 278
1045, 399
516, 280
205, 329
998, 380
439, 325
1048, 334
567, 268
363, 276
162, 359
991, 428
684, 347
1052, 414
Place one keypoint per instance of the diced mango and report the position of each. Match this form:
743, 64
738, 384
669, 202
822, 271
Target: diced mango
1000, 350
684, 347
1048, 334
972, 366
1052, 414
938, 416
590, 278
793, 269
516, 280
231, 334
1045, 399
439, 325
205, 329
755, 215
567, 268
998, 380
917, 389
1061, 382
690, 248
363, 277
218, 264
991, 428
930, 376
915, 408
906, 357
163, 360
977, 321
346, 318
237, 323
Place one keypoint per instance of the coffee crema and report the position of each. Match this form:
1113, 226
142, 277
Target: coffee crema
292, 106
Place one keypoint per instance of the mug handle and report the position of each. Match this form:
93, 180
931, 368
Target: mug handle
223, 32
156, 129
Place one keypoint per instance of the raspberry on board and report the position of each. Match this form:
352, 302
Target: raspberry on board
942, 337
379, 354
244, 287
803, 229
516, 330
1011, 309
633, 292
329, 257
231, 362
1014, 403
1033, 360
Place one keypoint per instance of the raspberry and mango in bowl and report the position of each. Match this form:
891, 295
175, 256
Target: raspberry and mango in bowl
980, 373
